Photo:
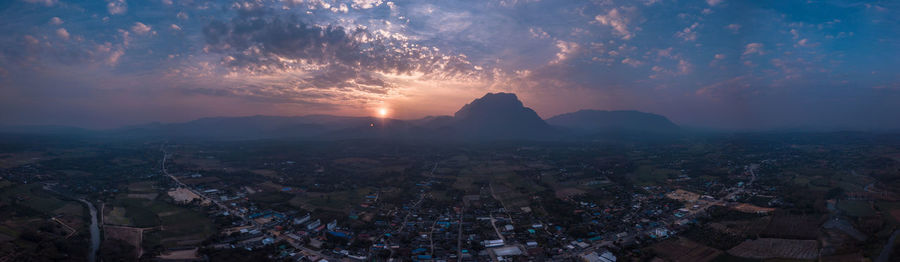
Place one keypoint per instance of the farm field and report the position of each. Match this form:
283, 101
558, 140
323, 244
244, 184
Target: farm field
682, 249
768, 248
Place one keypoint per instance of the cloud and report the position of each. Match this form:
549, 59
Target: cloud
567, 50
62, 33
719, 56
175, 27
617, 19
31, 41
735, 28
684, 67
753, 48
688, 33
126, 37
538, 33
43, 2
795, 34
735, 87
366, 4
632, 62
182, 15
112, 53
140, 28
714, 2
56, 21
258, 47
116, 7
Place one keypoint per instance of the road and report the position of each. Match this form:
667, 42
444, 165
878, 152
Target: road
459, 236
410, 211
493, 224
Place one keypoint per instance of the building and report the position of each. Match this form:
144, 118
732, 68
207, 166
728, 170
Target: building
604, 256
298, 221
492, 243
314, 224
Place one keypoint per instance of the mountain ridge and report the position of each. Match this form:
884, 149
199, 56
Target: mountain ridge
494, 116
614, 120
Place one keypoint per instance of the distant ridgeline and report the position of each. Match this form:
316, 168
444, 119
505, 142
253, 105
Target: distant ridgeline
495, 116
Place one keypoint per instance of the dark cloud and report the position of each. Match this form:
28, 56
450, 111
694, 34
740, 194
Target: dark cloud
264, 42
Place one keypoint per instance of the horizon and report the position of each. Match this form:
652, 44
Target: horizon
716, 64
449, 130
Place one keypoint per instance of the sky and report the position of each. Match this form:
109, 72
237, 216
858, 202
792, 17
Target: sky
709, 63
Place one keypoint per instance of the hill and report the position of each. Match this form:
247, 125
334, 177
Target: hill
593, 121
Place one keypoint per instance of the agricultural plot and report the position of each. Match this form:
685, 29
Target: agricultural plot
856, 208
333, 201
891, 210
682, 249
34, 197
768, 248
793, 226
647, 175
129, 235
164, 223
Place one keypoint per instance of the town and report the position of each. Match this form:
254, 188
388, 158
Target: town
503, 202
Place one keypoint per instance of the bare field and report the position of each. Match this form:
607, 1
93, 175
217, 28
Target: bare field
183, 195
683, 195
567, 193
141, 187
793, 226
189, 254
753, 209
147, 196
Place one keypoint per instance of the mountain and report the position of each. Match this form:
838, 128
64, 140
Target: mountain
499, 116
247, 127
43, 129
495, 116
596, 121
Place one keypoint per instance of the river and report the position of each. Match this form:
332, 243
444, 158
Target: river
95, 231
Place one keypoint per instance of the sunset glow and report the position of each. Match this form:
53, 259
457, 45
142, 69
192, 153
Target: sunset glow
724, 64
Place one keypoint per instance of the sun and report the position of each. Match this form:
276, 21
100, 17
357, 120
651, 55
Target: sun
382, 112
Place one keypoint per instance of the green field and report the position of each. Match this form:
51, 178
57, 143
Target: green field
25, 210
335, 201
647, 175
887, 208
34, 197
270, 197
169, 225
141, 187
856, 208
